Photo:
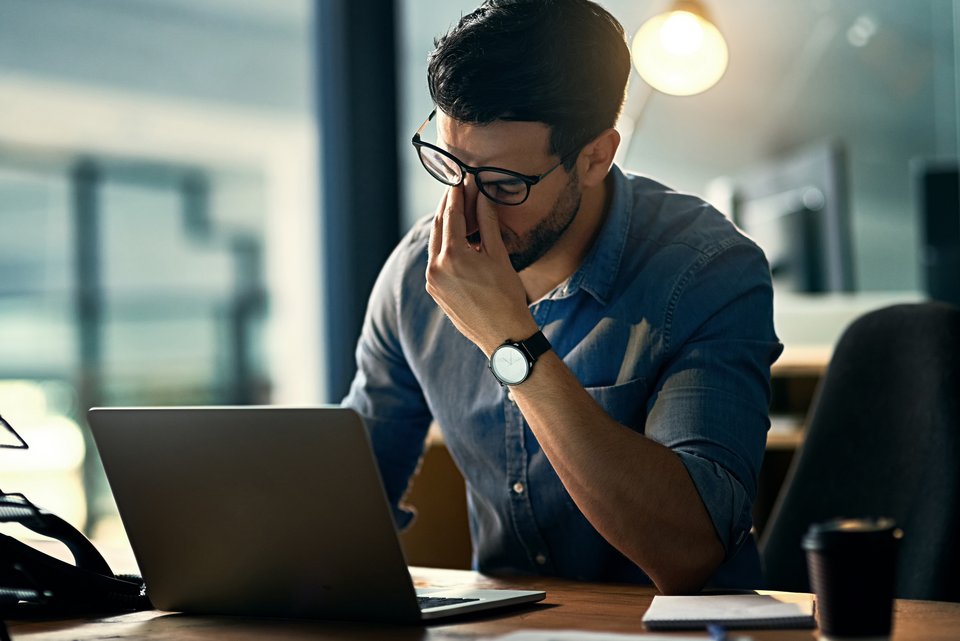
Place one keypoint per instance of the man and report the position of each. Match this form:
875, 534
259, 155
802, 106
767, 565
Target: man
595, 348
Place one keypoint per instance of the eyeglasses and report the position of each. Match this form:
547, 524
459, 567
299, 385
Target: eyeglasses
502, 186
22, 443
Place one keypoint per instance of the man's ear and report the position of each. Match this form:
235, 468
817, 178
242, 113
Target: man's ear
596, 157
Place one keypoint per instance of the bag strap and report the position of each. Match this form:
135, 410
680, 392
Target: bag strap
15, 507
30, 579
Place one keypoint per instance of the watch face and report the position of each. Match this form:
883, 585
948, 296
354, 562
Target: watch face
509, 364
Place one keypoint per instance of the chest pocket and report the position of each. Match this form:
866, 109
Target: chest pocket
626, 402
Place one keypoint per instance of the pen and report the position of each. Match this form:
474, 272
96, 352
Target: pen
719, 633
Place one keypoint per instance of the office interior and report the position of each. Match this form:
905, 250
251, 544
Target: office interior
196, 194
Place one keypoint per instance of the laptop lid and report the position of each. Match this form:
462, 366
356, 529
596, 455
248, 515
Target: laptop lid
265, 511
257, 511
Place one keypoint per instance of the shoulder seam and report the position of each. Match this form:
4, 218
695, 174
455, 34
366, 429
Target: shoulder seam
705, 257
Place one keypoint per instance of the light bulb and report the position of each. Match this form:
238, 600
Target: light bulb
680, 53
681, 34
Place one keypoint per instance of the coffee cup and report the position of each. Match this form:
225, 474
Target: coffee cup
852, 566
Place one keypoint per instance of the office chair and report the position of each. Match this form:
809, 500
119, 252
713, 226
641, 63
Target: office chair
883, 440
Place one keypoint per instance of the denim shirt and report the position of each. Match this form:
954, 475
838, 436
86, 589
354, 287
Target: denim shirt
668, 324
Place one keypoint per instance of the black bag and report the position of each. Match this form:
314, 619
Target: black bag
35, 584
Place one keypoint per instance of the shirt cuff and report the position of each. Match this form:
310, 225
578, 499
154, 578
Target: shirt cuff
726, 500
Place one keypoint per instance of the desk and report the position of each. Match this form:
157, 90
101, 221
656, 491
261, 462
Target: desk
569, 605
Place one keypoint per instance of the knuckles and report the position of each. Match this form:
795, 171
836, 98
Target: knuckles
434, 275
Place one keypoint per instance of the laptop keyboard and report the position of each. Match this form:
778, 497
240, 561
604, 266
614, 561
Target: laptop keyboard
436, 601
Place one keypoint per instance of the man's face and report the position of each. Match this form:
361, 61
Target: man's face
531, 229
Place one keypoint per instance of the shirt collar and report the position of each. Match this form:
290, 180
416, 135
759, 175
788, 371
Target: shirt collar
599, 269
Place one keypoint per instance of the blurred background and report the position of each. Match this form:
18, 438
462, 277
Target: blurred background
177, 227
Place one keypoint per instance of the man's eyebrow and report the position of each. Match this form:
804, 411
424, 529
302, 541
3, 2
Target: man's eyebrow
497, 162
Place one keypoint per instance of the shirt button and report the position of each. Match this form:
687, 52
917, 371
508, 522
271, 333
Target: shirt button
511, 398
541, 559
518, 487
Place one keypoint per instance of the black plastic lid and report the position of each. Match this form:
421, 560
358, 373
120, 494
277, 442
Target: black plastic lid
844, 532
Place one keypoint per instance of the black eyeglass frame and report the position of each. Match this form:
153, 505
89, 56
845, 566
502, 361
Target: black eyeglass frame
465, 169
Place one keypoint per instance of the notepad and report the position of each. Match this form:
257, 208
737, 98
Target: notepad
736, 611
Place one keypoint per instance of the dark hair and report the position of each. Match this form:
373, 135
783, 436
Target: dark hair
564, 63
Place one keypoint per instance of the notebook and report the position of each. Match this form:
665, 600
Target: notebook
264, 511
735, 611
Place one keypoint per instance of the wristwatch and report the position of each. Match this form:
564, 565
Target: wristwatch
511, 362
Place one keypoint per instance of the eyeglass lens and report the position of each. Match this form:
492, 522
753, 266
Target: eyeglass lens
498, 186
440, 167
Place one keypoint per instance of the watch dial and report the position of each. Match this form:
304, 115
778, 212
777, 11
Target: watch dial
509, 364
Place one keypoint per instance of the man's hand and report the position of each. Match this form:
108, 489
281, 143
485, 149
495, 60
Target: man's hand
476, 287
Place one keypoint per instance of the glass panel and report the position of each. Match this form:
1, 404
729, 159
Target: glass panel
177, 316
36, 313
173, 239
166, 293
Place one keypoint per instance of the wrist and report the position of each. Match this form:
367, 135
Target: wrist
513, 332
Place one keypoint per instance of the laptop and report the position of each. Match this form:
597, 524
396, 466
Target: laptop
265, 511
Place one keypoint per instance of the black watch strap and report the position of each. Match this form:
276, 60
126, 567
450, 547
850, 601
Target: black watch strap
535, 346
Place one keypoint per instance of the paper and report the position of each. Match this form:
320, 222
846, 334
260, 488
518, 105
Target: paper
582, 635
730, 610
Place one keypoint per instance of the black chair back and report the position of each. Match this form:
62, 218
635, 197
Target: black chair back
883, 439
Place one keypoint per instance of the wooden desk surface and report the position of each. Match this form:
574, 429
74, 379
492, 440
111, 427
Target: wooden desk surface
802, 360
569, 605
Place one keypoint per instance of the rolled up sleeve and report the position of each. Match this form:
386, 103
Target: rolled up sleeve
712, 400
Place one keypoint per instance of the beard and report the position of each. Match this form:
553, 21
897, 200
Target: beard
527, 249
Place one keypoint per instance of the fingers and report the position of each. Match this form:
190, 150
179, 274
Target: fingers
450, 226
453, 221
436, 234
489, 225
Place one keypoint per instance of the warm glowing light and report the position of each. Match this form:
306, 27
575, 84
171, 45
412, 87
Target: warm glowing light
680, 53
681, 34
